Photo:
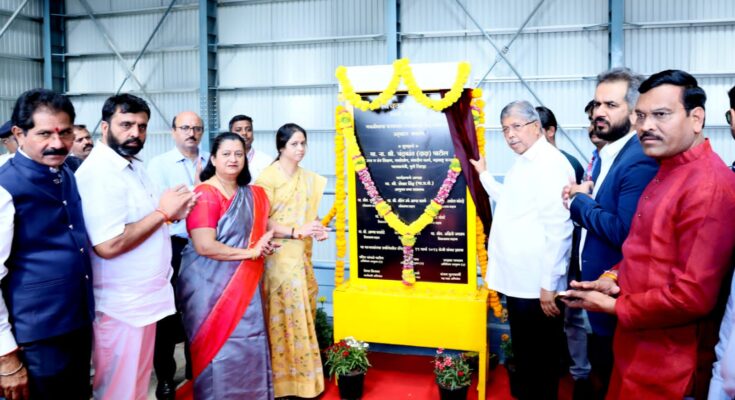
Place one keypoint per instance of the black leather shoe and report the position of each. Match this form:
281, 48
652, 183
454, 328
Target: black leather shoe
166, 390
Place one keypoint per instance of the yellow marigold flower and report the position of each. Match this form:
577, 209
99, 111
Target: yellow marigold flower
408, 240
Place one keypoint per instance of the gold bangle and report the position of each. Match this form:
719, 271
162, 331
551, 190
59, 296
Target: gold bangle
11, 373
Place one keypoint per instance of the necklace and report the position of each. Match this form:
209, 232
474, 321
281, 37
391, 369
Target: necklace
224, 187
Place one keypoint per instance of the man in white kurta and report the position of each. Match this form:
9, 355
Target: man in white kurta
530, 242
126, 223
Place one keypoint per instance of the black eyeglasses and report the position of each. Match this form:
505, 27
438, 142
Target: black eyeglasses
728, 117
187, 128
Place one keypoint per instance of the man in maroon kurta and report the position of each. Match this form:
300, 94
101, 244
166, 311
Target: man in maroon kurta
678, 252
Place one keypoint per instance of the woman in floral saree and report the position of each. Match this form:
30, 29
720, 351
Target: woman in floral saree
290, 286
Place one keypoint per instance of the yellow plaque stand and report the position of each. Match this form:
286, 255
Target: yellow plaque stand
427, 314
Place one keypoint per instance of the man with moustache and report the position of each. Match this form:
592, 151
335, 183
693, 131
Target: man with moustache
604, 206
529, 247
665, 290
47, 306
179, 166
126, 222
81, 148
257, 160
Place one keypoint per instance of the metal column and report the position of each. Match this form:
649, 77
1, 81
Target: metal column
501, 54
616, 56
54, 46
208, 70
393, 50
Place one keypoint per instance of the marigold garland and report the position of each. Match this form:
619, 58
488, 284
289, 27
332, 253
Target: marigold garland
344, 122
402, 69
407, 232
342, 117
477, 105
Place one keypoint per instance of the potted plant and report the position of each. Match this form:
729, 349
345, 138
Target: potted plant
324, 332
506, 347
453, 375
347, 361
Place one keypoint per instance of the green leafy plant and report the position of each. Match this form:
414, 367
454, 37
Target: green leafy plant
452, 371
324, 332
347, 356
506, 346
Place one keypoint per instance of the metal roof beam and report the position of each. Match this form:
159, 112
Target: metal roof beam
121, 60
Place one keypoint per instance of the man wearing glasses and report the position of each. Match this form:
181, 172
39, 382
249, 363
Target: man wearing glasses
529, 246
180, 165
8, 140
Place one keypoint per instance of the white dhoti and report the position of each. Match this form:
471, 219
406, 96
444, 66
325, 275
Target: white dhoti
123, 359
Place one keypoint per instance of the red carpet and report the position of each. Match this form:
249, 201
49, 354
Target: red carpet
410, 377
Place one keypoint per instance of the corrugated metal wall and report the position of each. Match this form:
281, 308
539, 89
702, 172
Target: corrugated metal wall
276, 60
562, 48
169, 70
276, 63
695, 36
21, 57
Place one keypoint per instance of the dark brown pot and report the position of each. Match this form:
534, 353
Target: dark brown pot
350, 386
453, 394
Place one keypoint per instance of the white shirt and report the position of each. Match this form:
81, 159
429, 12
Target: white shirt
7, 226
257, 162
531, 235
5, 157
173, 168
134, 286
607, 156
722, 385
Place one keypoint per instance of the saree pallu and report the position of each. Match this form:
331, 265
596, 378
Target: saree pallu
222, 310
290, 286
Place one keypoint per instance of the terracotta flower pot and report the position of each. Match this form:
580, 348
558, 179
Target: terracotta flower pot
350, 386
453, 394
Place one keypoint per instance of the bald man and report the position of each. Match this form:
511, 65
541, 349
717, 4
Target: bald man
180, 165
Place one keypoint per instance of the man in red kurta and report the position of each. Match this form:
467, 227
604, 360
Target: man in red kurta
678, 252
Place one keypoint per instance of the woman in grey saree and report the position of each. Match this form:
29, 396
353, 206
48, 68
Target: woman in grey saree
220, 281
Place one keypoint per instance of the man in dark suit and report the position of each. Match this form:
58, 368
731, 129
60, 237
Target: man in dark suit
605, 206
47, 307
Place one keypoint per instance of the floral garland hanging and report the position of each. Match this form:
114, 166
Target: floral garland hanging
477, 106
407, 232
402, 69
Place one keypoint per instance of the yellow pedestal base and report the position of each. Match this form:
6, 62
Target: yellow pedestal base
414, 316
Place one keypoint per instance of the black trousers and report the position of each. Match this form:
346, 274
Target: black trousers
58, 367
170, 330
535, 346
600, 353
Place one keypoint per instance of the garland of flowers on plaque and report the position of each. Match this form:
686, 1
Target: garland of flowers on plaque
344, 122
477, 106
402, 69
338, 208
407, 232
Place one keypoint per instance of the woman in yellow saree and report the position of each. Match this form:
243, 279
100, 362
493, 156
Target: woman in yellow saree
290, 286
